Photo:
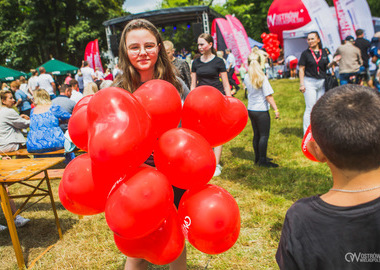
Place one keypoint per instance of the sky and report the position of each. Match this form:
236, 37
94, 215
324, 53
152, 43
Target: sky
137, 6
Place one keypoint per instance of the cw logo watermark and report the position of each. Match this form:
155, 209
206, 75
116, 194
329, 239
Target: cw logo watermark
362, 257
186, 226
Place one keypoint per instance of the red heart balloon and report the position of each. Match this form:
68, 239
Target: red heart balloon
71, 205
120, 133
210, 219
308, 137
162, 246
78, 128
140, 204
79, 186
216, 117
82, 102
162, 102
185, 157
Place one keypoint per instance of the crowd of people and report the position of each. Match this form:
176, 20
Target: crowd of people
44, 107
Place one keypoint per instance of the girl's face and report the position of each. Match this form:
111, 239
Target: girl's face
142, 49
204, 46
9, 100
313, 40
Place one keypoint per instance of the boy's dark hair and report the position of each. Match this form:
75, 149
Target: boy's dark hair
359, 32
64, 87
345, 123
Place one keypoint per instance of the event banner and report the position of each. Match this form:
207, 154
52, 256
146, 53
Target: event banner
353, 15
231, 34
324, 23
92, 55
242, 49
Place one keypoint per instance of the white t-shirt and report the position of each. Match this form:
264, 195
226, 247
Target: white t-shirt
44, 81
230, 60
76, 96
33, 83
87, 73
256, 97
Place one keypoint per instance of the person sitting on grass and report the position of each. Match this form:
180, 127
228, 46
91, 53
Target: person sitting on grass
339, 229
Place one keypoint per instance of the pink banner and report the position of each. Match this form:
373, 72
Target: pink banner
241, 50
225, 30
97, 60
92, 55
89, 54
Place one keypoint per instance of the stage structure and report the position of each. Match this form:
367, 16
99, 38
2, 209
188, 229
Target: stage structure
198, 17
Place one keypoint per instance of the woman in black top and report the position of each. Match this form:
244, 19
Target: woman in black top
312, 72
206, 71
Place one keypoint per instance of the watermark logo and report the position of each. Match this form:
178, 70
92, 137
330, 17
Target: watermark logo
186, 226
353, 257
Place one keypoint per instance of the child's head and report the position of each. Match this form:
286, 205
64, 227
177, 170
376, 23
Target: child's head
345, 124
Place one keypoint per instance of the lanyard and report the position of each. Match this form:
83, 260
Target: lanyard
317, 59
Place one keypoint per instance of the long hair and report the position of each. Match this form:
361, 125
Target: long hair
209, 39
255, 72
130, 80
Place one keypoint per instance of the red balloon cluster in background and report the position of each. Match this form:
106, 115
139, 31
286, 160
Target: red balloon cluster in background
271, 45
120, 130
308, 137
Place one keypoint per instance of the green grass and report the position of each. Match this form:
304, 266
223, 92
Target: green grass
263, 196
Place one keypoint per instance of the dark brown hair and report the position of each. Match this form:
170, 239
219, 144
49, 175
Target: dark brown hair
345, 123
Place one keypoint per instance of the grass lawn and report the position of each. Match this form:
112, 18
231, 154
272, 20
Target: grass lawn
263, 196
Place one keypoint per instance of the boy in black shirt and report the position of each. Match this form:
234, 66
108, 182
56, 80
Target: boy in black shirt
340, 229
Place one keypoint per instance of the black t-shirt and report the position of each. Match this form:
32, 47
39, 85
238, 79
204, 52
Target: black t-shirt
208, 73
317, 235
364, 46
310, 64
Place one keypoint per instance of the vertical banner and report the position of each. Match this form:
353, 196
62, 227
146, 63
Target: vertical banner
324, 22
353, 15
226, 32
242, 49
89, 54
92, 55
97, 60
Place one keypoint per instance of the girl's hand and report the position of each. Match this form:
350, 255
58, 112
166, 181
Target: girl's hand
302, 89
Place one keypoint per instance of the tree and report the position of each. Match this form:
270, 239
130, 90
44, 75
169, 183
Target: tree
33, 31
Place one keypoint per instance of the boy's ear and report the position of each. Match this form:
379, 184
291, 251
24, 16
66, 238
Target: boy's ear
316, 151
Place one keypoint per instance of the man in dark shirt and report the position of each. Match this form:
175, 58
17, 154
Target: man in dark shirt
364, 46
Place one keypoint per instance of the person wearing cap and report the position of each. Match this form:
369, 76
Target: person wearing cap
350, 60
364, 45
375, 58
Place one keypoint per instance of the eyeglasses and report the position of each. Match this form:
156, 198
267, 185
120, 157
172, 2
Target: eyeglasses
149, 48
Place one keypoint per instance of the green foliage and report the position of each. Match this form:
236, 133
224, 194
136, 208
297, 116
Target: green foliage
33, 31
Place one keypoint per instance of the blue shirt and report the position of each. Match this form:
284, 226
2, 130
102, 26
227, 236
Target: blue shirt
25, 104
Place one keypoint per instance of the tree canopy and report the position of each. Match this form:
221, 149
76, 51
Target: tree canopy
33, 31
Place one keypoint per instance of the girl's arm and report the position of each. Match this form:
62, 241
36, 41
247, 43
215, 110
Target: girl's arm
271, 101
302, 76
226, 84
193, 80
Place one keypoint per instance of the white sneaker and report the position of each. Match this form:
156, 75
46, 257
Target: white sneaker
20, 221
218, 170
3, 228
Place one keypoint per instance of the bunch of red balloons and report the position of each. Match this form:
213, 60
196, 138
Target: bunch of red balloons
271, 45
120, 131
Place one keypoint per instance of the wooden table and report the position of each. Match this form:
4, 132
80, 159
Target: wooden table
20, 171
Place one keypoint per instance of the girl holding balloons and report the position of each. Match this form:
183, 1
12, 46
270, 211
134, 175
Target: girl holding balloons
207, 70
259, 98
142, 57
